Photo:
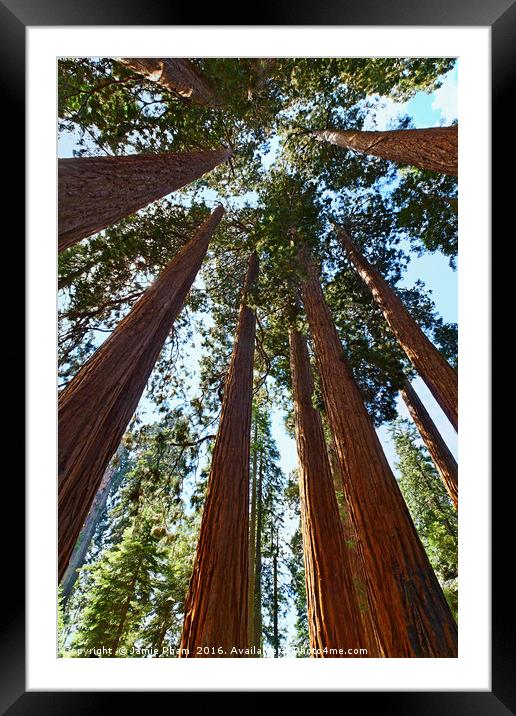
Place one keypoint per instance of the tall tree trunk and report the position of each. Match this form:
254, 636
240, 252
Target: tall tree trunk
216, 609
275, 604
177, 75
438, 375
98, 403
95, 192
334, 618
412, 614
80, 550
434, 148
252, 535
439, 452
355, 556
257, 608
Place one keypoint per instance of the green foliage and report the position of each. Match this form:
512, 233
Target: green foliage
130, 596
119, 592
431, 508
61, 634
296, 568
271, 525
427, 207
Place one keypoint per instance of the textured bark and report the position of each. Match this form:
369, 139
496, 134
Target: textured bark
98, 403
216, 609
80, 550
412, 614
334, 617
438, 375
95, 192
355, 556
439, 452
434, 148
177, 75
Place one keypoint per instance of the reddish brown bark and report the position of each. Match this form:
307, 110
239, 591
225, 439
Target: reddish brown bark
434, 148
216, 609
177, 75
438, 375
334, 617
355, 554
95, 192
439, 452
411, 611
97, 404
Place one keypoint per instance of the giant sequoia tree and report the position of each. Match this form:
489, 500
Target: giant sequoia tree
434, 148
96, 406
334, 617
377, 507
200, 542
176, 75
441, 455
439, 376
216, 615
96, 192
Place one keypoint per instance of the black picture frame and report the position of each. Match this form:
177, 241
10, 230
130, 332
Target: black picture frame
500, 15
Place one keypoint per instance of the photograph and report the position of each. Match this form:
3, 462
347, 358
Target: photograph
257, 349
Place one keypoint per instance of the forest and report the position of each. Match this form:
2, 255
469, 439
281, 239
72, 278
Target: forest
234, 236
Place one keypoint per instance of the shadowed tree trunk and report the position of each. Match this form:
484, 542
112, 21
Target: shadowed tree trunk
434, 148
216, 609
436, 372
95, 192
334, 618
411, 611
98, 403
177, 75
80, 550
439, 452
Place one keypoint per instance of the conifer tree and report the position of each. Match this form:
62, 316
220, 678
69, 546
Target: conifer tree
177, 75
438, 375
97, 405
430, 507
216, 616
439, 451
95, 192
376, 504
434, 148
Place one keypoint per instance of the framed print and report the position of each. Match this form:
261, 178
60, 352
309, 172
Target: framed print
266, 242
